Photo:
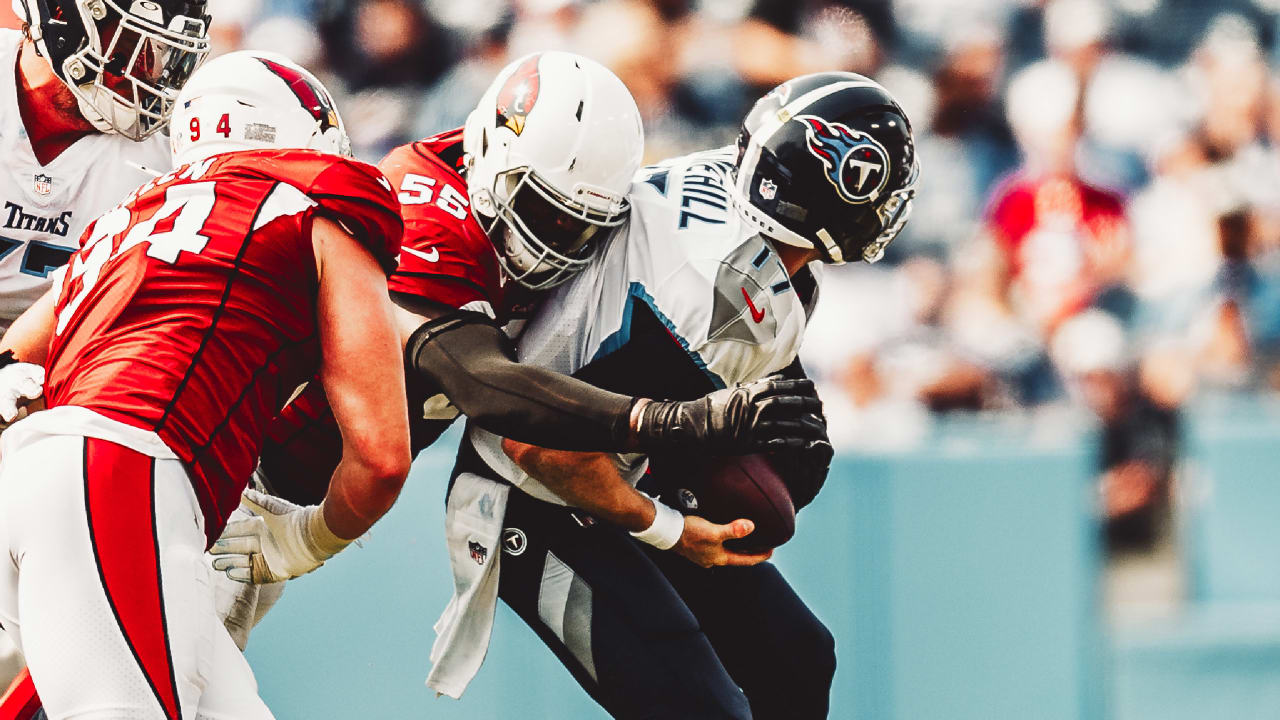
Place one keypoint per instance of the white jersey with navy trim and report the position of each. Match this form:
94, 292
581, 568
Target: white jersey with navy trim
702, 270
45, 208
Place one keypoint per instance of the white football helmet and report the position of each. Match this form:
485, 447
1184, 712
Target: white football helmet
551, 150
124, 60
251, 100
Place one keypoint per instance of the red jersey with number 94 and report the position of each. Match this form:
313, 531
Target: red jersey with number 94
190, 309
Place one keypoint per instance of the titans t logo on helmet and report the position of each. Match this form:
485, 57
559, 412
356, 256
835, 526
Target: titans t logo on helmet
857, 165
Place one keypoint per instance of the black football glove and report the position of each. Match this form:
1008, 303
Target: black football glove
804, 470
765, 415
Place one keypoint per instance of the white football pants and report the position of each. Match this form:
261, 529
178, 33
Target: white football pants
106, 590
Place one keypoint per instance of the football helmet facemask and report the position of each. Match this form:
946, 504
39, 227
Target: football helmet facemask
124, 60
827, 161
551, 150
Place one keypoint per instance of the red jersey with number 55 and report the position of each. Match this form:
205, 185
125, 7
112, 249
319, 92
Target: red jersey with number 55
190, 309
446, 257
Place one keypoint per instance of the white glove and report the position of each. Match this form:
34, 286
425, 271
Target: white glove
281, 541
20, 383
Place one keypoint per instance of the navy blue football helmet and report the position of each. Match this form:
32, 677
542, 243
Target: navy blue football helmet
828, 161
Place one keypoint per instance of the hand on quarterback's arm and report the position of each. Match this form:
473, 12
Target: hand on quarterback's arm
702, 543
20, 384
281, 541
767, 414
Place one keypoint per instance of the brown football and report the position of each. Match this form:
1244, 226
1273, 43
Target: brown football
745, 486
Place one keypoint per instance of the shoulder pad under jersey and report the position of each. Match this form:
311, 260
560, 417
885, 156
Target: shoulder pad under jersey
353, 194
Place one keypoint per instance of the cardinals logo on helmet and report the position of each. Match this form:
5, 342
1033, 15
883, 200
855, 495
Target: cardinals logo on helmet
517, 96
314, 99
857, 165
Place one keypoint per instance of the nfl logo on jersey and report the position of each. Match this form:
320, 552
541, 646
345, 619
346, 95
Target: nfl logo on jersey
768, 189
44, 184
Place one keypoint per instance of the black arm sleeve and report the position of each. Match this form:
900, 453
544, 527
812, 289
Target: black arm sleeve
473, 363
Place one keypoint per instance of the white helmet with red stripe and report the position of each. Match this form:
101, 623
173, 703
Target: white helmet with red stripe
253, 100
551, 149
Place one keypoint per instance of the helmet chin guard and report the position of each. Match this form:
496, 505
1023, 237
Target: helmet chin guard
551, 150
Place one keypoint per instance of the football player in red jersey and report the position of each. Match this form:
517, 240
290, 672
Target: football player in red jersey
190, 313
490, 219
80, 113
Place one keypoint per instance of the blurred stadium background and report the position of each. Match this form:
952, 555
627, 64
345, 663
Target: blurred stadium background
1055, 401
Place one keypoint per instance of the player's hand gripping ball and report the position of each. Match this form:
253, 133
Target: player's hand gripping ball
766, 488
729, 488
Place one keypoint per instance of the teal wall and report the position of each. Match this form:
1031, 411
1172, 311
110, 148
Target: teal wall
959, 580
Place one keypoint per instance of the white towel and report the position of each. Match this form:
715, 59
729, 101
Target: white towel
473, 530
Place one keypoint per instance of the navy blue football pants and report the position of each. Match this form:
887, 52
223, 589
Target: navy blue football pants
652, 636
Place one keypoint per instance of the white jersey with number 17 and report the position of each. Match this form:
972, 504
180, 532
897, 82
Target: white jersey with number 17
45, 208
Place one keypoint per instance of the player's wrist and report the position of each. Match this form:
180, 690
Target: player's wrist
635, 423
665, 530
320, 537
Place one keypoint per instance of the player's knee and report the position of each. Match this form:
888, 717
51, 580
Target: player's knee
812, 657
824, 655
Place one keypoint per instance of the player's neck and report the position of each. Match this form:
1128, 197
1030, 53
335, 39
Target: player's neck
794, 258
49, 110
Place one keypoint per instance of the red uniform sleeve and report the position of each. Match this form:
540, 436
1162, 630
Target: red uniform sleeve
437, 263
302, 447
446, 256
359, 198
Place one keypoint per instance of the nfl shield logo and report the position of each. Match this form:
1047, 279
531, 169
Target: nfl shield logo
768, 189
44, 184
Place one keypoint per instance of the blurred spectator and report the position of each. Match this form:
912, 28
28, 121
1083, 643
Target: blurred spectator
1140, 433
486, 29
234, 18
1064, 243
546, 25
781, 39
386, 43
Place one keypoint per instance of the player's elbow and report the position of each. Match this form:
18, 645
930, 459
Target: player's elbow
383, 459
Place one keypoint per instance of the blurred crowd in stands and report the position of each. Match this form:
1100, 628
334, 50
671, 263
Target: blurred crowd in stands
1098, 217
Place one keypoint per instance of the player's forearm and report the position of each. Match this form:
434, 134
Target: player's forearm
364, 382
589, 481
28, 337
473, 365
358, 496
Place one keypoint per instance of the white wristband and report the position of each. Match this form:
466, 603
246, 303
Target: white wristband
667, 527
